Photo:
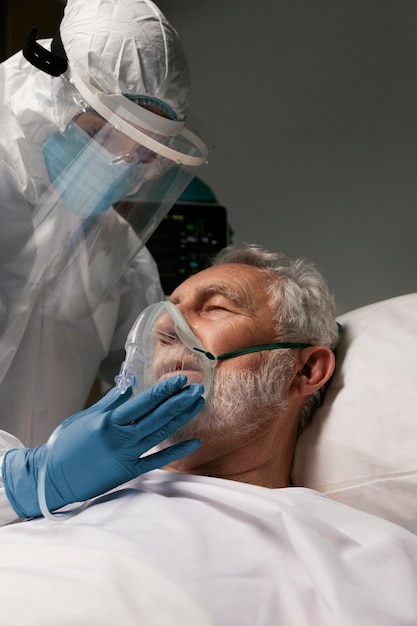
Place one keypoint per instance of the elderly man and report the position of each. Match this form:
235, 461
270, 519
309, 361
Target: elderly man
260, 399
219, 520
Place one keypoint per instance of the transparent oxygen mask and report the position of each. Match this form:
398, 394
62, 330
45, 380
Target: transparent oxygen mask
161, 344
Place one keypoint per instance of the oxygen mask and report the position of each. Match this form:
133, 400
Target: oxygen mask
161, 344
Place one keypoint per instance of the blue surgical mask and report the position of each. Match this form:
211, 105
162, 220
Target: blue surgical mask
88, 177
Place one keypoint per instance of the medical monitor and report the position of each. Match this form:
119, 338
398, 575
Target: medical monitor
189, 235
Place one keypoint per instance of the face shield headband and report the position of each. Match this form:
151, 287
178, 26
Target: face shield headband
172, 139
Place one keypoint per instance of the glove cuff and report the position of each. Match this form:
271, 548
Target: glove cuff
20, 478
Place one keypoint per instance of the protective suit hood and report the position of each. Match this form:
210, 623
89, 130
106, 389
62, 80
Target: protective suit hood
129, 47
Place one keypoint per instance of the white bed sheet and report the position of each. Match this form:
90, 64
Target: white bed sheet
244, 555
83, 586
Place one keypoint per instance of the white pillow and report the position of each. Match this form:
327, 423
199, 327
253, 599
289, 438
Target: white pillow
361, 447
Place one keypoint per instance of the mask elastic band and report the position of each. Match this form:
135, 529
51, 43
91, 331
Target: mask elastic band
265, 346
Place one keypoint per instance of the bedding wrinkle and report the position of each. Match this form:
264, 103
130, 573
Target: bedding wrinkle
241, 553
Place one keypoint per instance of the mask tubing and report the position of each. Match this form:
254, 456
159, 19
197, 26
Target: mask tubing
42, 476
42, 483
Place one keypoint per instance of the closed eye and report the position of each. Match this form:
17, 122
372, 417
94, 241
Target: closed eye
216, 304
215, 307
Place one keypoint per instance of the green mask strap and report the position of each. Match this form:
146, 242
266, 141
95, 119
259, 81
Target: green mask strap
265, 346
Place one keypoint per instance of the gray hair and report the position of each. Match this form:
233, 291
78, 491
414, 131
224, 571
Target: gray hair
305, 308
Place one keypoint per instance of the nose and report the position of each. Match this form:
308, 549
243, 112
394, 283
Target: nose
187, 310
164, 330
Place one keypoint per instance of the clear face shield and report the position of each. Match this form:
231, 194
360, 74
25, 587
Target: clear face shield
115, 168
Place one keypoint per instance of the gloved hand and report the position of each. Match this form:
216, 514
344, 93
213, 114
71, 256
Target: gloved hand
99, 448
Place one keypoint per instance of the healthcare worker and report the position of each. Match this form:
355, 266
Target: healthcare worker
96, 144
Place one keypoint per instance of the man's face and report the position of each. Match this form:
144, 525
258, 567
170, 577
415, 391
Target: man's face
223, 310
227, 307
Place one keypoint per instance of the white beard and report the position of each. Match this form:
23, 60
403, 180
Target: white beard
241, 399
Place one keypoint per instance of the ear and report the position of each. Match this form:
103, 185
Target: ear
315, 367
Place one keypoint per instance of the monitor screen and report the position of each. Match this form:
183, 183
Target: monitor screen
186, 239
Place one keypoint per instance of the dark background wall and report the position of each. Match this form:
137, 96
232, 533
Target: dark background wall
17, 17
313, 107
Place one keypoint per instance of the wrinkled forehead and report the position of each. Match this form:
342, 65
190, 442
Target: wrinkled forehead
245, 285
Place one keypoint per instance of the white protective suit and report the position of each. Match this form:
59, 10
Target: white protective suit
246, 555
7, 442
48, 364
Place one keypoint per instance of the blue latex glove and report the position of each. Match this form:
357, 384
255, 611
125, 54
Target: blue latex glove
99, 448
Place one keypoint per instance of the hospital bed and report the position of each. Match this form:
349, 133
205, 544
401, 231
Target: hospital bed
359, 450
